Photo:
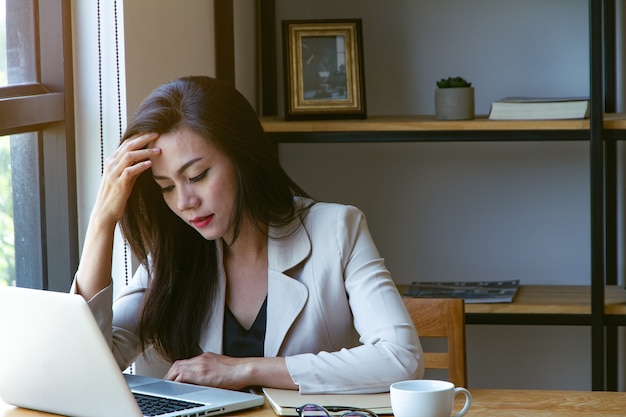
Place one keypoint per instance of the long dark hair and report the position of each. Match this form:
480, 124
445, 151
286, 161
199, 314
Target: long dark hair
182, 265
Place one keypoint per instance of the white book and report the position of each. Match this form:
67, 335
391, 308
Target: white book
535, 108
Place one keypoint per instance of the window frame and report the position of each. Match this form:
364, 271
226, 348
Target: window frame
48, 261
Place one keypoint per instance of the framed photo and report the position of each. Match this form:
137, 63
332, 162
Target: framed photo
323, 69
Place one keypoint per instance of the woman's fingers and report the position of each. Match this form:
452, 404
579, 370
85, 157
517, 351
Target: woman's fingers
131, 152
121, 171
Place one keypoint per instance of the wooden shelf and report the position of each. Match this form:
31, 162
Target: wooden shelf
614, 121
554, 299
276, 124
548, 304
427, 128
534, 304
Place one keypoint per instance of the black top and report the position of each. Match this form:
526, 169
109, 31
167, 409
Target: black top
241, 343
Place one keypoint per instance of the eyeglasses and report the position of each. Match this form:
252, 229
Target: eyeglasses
315, 410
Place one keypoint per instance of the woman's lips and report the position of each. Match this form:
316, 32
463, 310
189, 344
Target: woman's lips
200, 222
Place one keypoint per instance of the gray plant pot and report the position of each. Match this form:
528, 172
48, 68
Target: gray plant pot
454, 103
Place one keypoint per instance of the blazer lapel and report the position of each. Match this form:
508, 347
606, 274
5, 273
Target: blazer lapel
286, 295
285, 300
211, 339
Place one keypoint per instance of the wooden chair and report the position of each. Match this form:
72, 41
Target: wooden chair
442, 318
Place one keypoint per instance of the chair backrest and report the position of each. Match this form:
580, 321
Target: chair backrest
442, 318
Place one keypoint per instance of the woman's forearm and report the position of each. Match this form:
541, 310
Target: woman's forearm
270, 372
94, 271
216, 370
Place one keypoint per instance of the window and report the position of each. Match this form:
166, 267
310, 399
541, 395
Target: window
7, 239
38, 226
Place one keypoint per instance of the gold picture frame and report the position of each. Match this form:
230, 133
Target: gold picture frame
323, 69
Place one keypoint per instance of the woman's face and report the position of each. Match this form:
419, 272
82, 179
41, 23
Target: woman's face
199, 183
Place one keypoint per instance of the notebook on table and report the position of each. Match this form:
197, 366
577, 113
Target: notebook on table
54, 358
286, 402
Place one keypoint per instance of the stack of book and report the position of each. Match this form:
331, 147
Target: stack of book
530, 108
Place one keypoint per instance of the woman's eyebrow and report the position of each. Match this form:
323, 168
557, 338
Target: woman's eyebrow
180, 170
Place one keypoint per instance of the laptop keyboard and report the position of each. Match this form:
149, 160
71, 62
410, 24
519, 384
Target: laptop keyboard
156, 406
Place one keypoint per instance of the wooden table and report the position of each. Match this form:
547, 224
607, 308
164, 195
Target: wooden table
486, 403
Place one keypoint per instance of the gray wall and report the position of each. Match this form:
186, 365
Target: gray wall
441, 211
470, 211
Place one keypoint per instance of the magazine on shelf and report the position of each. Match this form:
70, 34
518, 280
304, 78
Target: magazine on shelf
535, 108
471, 292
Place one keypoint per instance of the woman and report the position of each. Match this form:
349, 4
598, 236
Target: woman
245, 280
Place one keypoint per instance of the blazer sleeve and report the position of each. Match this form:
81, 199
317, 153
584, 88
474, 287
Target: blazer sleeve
389, 349
118, 321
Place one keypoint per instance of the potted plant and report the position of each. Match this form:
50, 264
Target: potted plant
454, 99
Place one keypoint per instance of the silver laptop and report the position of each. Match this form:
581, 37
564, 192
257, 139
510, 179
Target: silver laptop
54, 358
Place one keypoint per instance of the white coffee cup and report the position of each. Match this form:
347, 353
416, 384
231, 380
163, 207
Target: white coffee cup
426, 398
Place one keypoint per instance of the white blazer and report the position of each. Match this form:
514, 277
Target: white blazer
333, 310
